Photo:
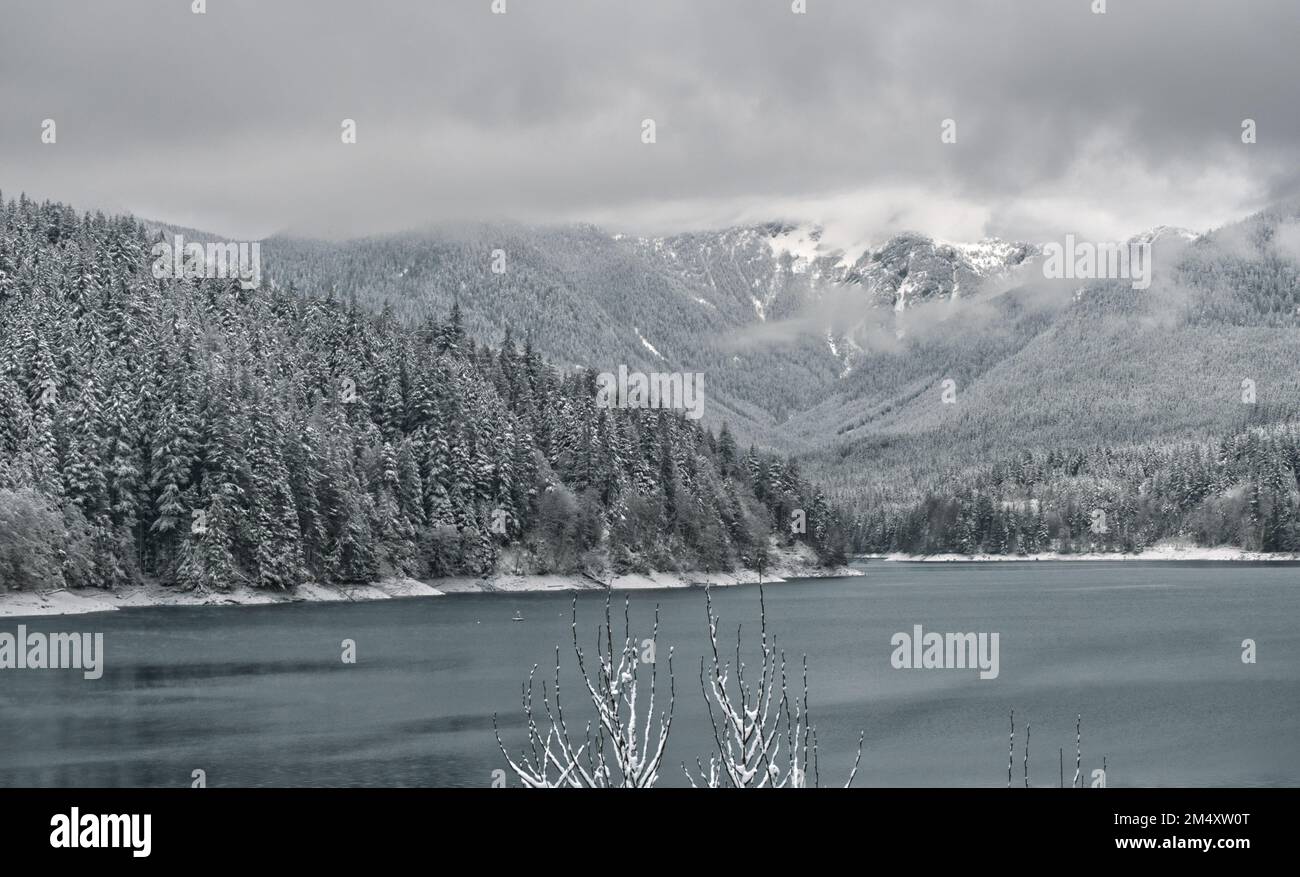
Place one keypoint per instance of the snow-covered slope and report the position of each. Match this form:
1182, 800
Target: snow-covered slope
912, 268
776, 269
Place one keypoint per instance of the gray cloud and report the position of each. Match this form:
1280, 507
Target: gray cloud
1066, 120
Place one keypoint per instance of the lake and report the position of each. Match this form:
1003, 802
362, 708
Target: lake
1150, 653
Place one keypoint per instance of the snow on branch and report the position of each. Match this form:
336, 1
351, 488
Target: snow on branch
763, 736
617, 749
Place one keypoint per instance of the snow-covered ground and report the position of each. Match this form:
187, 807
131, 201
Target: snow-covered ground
65, 602
1159, 551
75, 602
635, 582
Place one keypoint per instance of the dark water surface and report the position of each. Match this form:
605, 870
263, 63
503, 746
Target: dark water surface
1148, 652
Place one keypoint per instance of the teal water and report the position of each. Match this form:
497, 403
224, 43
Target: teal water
1148, 653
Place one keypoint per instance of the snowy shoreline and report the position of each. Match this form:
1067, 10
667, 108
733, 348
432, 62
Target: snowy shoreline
67, 602
1158, 552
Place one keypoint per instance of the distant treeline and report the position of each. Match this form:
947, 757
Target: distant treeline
1240, 491
208, 435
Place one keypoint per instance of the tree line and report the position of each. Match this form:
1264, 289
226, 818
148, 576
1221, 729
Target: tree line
1242, 490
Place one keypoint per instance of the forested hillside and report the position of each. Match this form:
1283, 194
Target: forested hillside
1213, 345
775, 316
208, 435
842, 358
589, 298
1240, 491
1173, 413
346, 420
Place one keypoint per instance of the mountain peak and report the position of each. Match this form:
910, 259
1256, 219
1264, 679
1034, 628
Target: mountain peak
1164, 233
912, 267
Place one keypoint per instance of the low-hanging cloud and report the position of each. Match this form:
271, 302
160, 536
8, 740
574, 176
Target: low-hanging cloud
1066, 121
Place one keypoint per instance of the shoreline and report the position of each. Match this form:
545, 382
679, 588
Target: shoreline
23, 604
1158, 552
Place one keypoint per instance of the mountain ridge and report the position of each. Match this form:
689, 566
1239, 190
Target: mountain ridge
829, 352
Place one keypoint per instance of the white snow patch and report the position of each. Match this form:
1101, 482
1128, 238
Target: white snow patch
1159, 551
805, 243
73, 602
648, 345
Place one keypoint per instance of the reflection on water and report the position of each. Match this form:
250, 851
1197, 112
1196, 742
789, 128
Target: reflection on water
1149, 653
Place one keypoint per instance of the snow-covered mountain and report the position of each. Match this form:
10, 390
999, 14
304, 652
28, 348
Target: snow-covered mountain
802, 338
912, 268
777, 268
748, 272
1163, 234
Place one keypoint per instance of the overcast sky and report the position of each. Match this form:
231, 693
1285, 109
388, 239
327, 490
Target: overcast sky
1066, 121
